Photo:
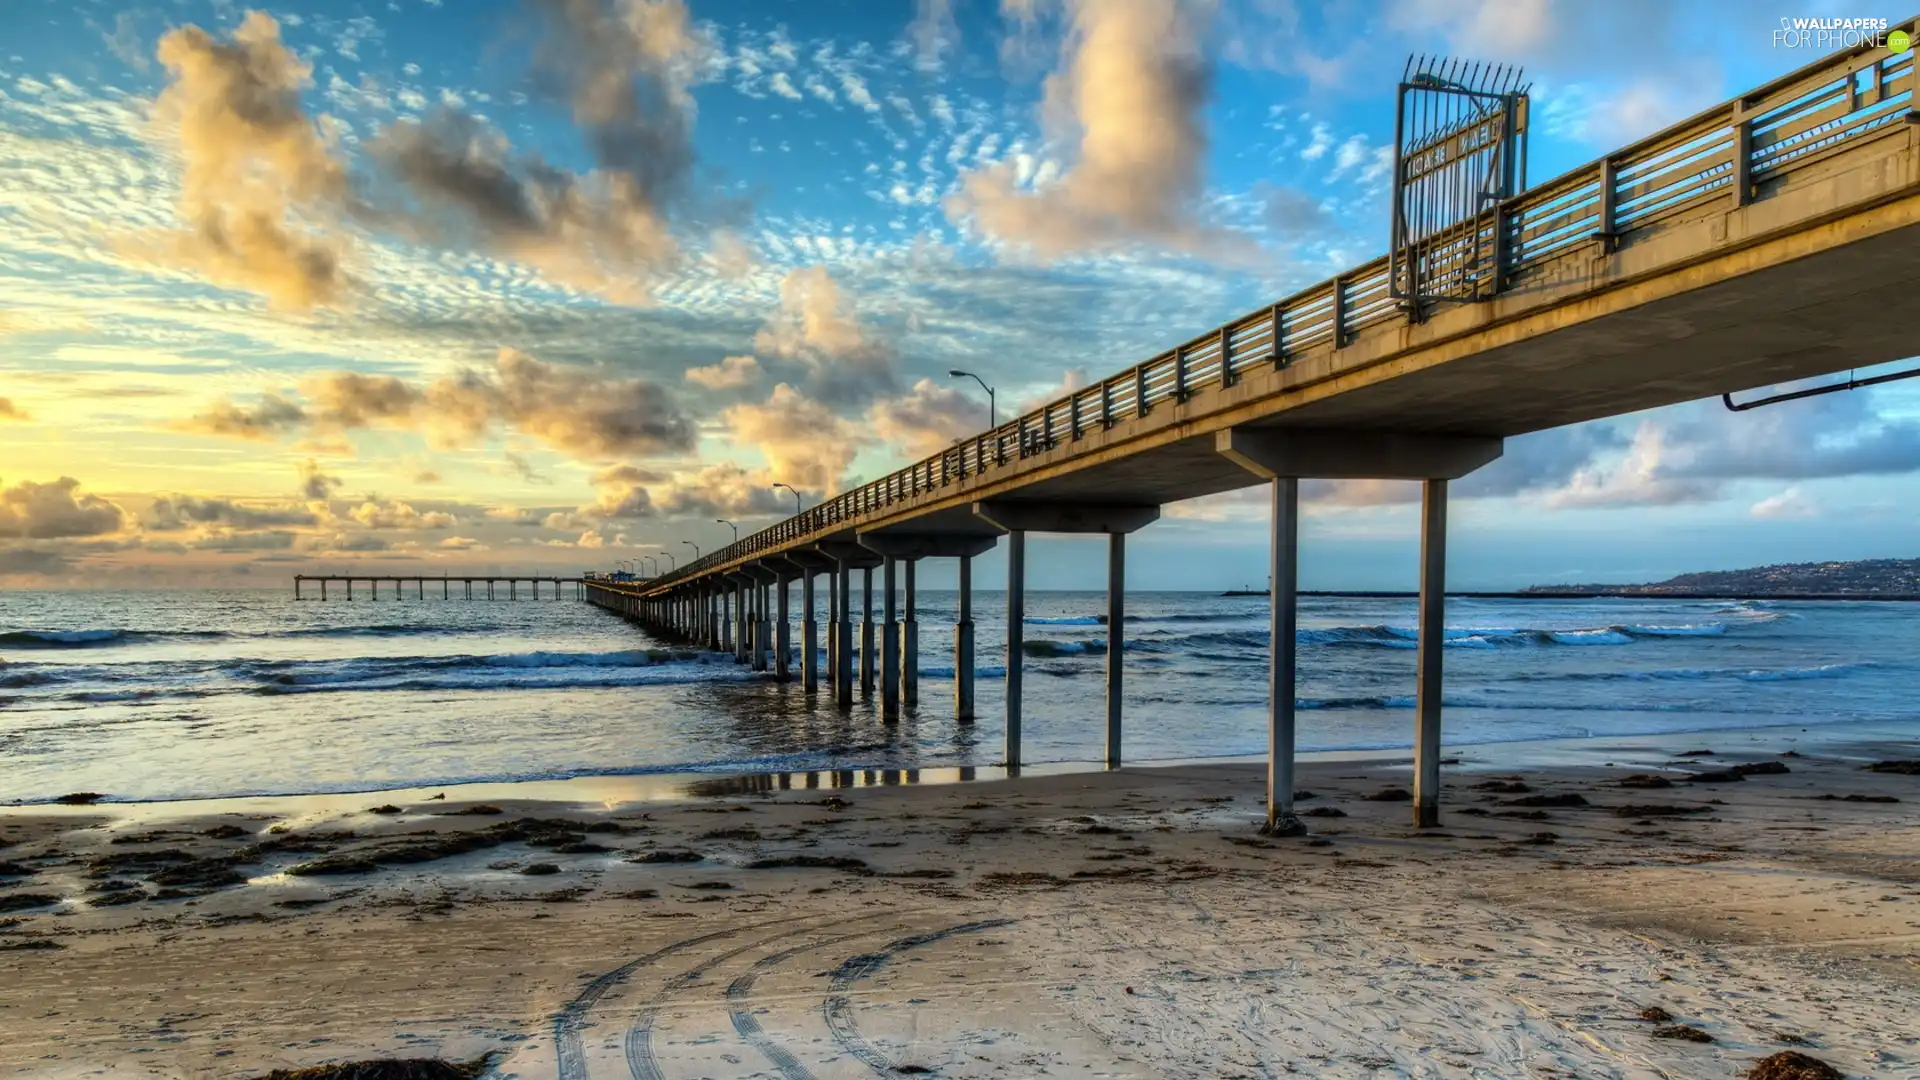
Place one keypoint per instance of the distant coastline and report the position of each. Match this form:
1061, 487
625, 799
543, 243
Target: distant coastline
1861, 579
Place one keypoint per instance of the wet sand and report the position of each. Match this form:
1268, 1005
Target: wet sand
1125, 924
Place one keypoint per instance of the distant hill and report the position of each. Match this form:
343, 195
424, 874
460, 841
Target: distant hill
1864, 578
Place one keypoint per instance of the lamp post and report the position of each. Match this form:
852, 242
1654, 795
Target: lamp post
993, 414
694, 546
673, 564
796, 497
730, 525
656, 564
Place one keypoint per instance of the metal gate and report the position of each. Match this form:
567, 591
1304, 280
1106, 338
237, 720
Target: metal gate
1459, 153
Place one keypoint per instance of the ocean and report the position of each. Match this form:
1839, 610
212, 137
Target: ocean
178, 695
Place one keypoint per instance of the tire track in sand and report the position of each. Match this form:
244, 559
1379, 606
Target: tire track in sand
569, 1051
838, 1007
641, 1063
747, 1026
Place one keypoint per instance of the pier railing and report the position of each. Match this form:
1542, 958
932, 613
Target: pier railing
1723, 154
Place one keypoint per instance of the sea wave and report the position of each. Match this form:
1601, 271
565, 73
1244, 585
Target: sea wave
64, 639
99, 637
548, 679
995, 671
1065, 620
1046, 648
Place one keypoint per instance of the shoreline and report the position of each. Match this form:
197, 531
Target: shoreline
674, 784
1130, 923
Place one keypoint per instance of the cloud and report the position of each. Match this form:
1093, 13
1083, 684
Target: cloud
524, 469
177, 512
269, 418
1788, 505
845, 363
1644, 476
1134, 80
460, 543
315, 484
53, 511
1652, 77
804, 442
723, 490
730, 373
33, 562
227, 540
933, 33
625, 69
572, 410
10, 411
253, 161
400, 515
623, 494
348, 543
927, 419
597, 232
1290, 211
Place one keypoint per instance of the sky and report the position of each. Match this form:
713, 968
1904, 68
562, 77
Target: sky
483, 286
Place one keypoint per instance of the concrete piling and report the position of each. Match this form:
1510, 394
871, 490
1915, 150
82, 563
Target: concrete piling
1116, 638
809, 646
963, 646
889, 642
909, 643
866, 633
1432, 639
1016, 637
843, 635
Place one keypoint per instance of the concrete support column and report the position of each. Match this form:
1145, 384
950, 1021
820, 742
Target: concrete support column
889, 643
1283, 569
843, 635
1016, 636
1433, 622
1116, 638
866, 632
762, 626
809, 645
963, 646
742, 626
783, 638
909, 645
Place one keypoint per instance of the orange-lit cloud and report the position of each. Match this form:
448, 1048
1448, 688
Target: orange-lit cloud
56, 510
1128, 98
254, 163
572, 410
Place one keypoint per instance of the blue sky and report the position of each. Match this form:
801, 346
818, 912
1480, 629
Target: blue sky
445, 285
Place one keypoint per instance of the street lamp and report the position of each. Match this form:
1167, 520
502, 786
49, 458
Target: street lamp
673, 564
655, 572
730, 525
796, 497
694, 546
993, 415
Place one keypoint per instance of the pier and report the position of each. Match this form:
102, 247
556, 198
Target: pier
1774, 237
508, 587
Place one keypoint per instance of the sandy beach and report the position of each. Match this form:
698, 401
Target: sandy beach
1126, 924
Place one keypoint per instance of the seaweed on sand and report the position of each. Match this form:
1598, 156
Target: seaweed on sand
389, 1069
1792, 1065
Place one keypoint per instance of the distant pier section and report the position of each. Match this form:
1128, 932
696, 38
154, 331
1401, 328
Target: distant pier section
488, 588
